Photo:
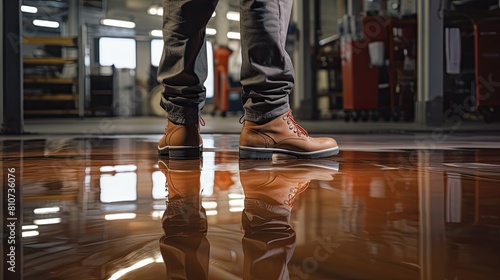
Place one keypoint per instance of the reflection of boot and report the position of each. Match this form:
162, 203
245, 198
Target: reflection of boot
183, 177
281, 182
270, 189
184, 247
283, 135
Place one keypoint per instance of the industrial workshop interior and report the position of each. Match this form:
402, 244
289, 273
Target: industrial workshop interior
409, 89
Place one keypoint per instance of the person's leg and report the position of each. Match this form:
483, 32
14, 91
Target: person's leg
182, 72
267, 78
267, 73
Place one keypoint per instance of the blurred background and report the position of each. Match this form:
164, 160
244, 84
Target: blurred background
359, 63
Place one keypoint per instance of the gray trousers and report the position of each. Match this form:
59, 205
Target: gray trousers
267, 73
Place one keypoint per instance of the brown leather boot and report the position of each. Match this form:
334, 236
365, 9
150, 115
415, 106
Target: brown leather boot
181, 141
283, 135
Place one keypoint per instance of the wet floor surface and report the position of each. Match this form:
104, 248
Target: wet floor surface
109, 208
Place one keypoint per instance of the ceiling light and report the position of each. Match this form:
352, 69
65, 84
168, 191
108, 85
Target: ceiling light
155, 10
233, 16
211, 31
233, 35
118, 23
156, 33
159, 11
152, 10
46, 23
29, 9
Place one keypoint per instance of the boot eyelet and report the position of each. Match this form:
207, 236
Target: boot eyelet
290, 127
285, 117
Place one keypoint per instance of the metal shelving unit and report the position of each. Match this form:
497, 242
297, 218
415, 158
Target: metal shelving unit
53, 84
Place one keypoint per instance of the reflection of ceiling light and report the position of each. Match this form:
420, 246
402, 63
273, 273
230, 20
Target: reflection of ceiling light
211, 31
235, 195
211, 212
120, 216
106, 169
235, 209
209, 204
156, 215
118, 23
29, 9
236, 202
125, 168
137, 265
233, 35
155, 10
46, 210
235, 16
119, 168
46, 23
30, 233
27, 227
47, 221
160, 206
156, 33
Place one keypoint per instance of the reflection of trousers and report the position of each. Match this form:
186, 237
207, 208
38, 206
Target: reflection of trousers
184, 247
266, 72
269, 240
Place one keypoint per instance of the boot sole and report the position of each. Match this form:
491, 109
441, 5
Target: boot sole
267, 153
181, 152
288, 164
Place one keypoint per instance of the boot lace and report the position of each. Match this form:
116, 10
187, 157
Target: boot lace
293, 125
294, 192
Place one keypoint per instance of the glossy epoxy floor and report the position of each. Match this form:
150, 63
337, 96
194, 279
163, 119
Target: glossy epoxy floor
388, 207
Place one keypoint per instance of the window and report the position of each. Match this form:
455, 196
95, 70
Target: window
120, 52
156, 50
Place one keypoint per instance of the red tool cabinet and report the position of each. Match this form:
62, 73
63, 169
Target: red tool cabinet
385, 91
